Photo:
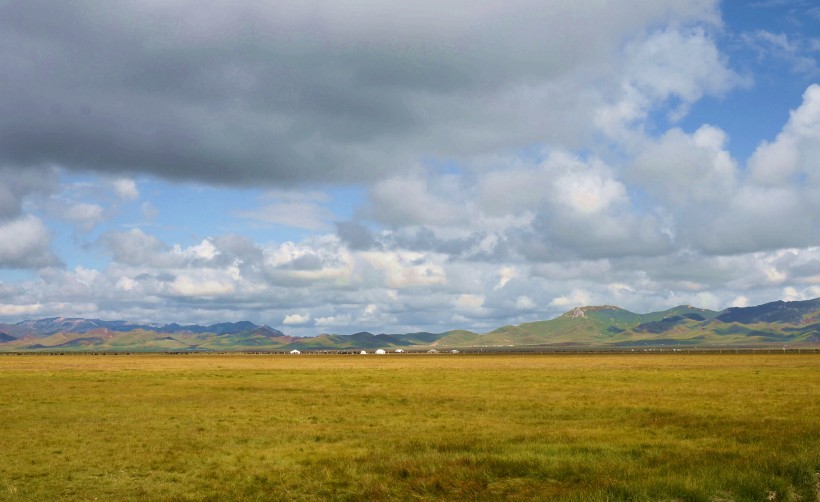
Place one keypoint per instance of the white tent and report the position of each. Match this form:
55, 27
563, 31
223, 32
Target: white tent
294, 351
399, 351
380, 351
363, 352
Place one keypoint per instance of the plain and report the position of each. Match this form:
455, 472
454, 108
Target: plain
471, 427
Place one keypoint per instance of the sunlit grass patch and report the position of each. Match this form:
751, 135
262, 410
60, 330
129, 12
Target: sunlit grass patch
534, 427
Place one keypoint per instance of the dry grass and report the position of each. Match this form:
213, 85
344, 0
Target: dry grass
515, 427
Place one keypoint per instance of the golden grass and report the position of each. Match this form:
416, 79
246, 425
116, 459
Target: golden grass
405, 427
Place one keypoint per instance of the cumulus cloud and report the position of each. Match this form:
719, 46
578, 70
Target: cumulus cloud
575, 298
355, 235
296, 319
516, 161
19, 310
135, 247
680, 169
666, 66
83, 215
125, 188
403, 269
410, 200
26, 243
792, 156
211, 285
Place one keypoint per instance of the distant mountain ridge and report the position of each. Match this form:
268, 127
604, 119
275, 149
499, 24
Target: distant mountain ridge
775, 323
52, 325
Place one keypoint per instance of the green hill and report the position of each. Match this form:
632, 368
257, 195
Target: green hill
771, 324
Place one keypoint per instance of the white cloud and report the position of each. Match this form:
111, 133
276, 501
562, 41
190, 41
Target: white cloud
296, 319
680, 169
126, 284
576, 298
470, 302
25, 243
337, 320
205, 250
135, 247
589, 190
795, 50
516, 162
524, 303
681, 63
83, 215
670, 64
19, 310
126, 189
505, 275
410, 200
795, 150
293, 209
404, 269
211, 285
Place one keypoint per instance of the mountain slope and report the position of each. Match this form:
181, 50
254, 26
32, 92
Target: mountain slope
774, 312
770, 324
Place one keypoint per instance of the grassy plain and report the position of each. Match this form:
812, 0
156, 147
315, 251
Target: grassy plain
404, 427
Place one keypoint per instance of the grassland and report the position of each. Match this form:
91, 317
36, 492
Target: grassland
406, 427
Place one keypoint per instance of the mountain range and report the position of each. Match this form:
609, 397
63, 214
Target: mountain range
777, 323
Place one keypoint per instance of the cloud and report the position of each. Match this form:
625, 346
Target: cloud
793, 49
296, 319
26, 243
299, 210
19, 310
791, 157
126, 189
524, 303
135, 247
338, 320
515, 162
254, 94
205, 250
355, 235
410, 200
403, 269
576, 298
212, 285
681, 169
671, 66
506, 274
16, 185
84, 216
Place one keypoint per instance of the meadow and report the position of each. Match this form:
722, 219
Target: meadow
669, 427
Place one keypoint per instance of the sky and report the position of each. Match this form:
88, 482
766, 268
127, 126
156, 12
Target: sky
325, 166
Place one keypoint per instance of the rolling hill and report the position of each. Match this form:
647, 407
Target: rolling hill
771, 324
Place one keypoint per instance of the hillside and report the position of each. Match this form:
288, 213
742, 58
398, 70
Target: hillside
771, 324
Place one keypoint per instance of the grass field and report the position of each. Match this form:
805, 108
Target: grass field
405, 427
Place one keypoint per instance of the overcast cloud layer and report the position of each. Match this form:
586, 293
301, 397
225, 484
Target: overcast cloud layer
398, 167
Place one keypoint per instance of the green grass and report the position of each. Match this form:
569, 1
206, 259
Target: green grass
410, 427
